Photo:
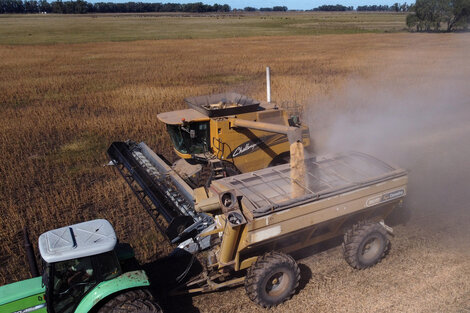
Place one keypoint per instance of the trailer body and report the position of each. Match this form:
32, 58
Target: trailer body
339, 191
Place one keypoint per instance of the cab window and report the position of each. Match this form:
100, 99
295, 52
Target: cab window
107, 265
71, 280
192, 138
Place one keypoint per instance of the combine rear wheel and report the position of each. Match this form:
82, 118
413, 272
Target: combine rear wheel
132, 301
272, 279
365, 244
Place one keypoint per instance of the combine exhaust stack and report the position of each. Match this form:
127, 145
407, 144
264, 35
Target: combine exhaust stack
163, 194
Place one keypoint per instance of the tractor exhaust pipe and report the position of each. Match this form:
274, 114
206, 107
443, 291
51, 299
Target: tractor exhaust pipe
33, 266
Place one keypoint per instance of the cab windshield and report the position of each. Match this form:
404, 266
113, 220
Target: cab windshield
71, 280
191, 138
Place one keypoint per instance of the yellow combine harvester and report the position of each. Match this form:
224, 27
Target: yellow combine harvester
226, 134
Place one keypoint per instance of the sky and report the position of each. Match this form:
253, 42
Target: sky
292, 4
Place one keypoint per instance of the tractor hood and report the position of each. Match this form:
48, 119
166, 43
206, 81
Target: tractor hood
22, 295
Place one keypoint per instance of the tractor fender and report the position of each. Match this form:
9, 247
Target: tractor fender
126, 281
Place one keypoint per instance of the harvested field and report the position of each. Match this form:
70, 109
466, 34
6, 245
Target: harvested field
57, 28
63, 104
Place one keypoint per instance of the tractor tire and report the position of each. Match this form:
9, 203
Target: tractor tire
139, 300
272, 279
365, 244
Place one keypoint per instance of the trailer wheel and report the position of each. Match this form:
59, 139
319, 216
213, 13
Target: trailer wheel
365, 244
272, 279
138, 300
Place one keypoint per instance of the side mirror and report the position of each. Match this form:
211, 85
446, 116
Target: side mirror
192, 133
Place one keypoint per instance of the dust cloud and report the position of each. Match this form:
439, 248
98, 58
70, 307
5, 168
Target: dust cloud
420, 123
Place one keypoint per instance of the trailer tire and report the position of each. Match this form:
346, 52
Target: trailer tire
365, 244
272, 279
139, 300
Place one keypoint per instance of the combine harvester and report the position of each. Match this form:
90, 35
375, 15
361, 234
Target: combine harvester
248, 223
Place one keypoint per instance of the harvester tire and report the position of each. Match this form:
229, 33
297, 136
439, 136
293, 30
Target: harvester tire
272, 279
139, 300
280, 159
365, 244
230, 168
205, 176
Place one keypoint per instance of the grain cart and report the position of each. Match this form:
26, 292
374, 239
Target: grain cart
85, 270
210, 148
245, 226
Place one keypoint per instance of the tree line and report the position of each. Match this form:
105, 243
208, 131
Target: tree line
82, 7
275, 9
431, 15
396, 7
337, 7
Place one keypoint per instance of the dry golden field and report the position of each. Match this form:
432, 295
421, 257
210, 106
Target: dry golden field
62, 105
81, 28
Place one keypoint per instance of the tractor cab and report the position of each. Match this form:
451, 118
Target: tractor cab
76, 259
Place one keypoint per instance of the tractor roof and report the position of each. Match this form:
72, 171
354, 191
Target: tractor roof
76, 241
177, 117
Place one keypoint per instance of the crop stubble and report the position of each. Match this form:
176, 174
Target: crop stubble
62, 105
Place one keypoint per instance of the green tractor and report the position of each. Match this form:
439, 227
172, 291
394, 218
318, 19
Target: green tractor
84, 270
